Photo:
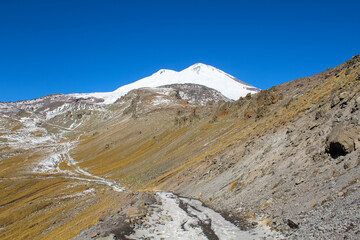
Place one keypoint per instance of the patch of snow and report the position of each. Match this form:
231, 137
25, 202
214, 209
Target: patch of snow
51, 163
28, 136
68, 107
98, 180
90, 191
159, 100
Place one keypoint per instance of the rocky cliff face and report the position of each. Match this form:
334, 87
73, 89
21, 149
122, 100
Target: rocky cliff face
287, 157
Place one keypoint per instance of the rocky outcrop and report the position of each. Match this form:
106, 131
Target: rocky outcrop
342, 140
198, 94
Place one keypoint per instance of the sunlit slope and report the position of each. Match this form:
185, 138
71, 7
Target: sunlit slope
42, 196
153, 150
35, 206
141, 150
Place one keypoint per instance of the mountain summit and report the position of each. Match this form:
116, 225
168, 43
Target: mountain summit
199, 73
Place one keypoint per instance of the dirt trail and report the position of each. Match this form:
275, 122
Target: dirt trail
184, 218
173, 217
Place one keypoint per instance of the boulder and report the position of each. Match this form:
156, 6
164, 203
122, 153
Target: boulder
341, 140
292, 224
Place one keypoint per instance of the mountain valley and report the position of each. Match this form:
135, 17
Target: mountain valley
195, 154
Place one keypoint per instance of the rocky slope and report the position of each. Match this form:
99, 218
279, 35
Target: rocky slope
286, 158
291, 157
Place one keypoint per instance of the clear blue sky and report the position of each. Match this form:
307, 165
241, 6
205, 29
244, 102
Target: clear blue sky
67, 46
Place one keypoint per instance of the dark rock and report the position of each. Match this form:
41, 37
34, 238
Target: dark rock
299, 181
292, 224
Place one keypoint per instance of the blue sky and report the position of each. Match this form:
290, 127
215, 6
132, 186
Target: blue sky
67, 46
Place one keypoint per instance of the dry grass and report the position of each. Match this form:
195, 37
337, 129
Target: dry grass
232, 186
50, 208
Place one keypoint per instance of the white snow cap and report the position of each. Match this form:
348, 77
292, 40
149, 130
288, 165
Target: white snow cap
199, 73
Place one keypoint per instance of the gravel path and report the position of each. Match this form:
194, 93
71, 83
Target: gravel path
184, 218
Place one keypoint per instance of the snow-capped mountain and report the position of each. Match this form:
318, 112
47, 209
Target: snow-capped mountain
199, 73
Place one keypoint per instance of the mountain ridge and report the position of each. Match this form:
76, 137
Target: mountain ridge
198, 73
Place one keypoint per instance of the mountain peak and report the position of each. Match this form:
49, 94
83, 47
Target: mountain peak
200, 67
196, 65
162, 71
199, 73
